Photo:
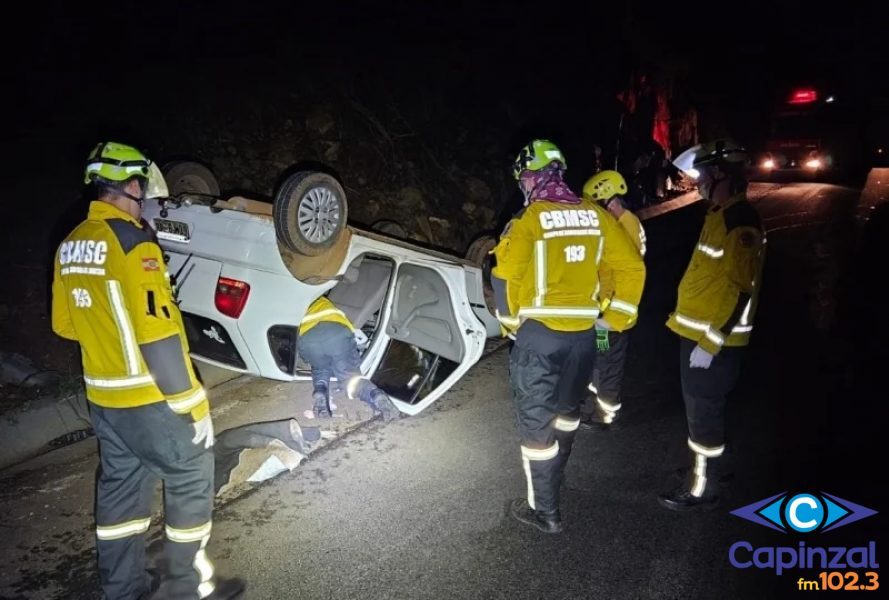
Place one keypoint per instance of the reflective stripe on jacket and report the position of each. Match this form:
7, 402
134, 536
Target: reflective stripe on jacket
548, 259
111, 293
630, 223
322, 310
719, 292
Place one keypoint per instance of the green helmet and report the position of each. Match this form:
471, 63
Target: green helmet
537, 155
113, 163
723, 152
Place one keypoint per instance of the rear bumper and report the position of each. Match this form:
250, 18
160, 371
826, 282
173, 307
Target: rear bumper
208, 340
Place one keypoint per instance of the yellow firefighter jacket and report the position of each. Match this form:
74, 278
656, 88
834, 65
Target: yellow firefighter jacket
549, 257
111, 293
322, 310
633, 227
719, 292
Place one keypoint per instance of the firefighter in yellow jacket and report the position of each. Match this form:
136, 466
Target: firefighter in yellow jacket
546, 288
608, 188
111, 293
329, 343
714, 312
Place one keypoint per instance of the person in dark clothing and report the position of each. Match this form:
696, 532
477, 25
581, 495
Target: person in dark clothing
715, 307
545, 286
327, 342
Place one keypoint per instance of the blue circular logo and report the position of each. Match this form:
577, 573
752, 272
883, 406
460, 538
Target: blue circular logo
804, 513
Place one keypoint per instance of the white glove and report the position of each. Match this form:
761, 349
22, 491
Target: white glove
203, 432
361, 339
602, 324
700, 358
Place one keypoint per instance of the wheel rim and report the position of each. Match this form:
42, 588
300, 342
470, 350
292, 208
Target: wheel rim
318, 215
191, 184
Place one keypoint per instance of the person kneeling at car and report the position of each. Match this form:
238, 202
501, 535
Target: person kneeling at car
327, 341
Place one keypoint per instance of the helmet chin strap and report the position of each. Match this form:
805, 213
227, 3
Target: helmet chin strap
135, 199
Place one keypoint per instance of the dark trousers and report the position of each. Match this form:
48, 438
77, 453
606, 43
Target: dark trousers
608, 370
704, 392
138, 447
548, 372
331, 350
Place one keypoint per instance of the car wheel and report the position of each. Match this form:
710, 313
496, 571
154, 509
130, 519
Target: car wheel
478, 254
479, 248
187, 177
310, 212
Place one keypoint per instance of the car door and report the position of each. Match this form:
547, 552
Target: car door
431, 335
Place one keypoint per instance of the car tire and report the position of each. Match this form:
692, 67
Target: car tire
479, 254
310, 212
479, 249
189, 177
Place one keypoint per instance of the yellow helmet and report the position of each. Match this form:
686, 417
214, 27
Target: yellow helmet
604, 185
113, 163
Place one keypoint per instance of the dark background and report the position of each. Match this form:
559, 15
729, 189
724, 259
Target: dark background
510, 70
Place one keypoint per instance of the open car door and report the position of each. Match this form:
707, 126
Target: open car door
432, 335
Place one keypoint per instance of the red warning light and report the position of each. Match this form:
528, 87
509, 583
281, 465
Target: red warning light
803, 96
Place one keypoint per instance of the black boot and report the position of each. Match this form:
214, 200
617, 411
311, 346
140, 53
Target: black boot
543, 470
227, 589
545, 522
701, 488
681, 500
383, 405
321, 403
224, 588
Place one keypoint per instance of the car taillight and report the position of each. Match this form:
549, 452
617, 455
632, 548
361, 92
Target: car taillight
231, 296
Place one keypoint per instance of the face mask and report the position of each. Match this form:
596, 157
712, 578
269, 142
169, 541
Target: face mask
526, 185
527, 194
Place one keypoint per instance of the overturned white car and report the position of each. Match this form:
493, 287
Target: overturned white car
246, 271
